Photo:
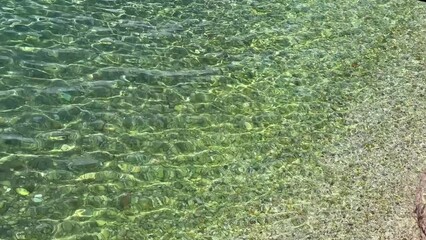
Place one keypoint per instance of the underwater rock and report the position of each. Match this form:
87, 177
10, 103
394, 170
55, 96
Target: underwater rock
22, 191
124, 201
14, 140
83, 164
420, 210
11, 102
38, 198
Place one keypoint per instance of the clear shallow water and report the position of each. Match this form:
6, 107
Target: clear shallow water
174, 119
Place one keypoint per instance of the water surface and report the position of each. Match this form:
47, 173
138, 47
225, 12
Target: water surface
174, 119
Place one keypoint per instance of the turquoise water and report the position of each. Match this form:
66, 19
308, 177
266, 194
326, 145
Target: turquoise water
175, 119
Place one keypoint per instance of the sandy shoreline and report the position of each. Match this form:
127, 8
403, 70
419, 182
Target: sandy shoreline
372, 176
380, 164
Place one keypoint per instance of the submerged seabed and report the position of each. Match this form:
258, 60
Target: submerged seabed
176, 119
